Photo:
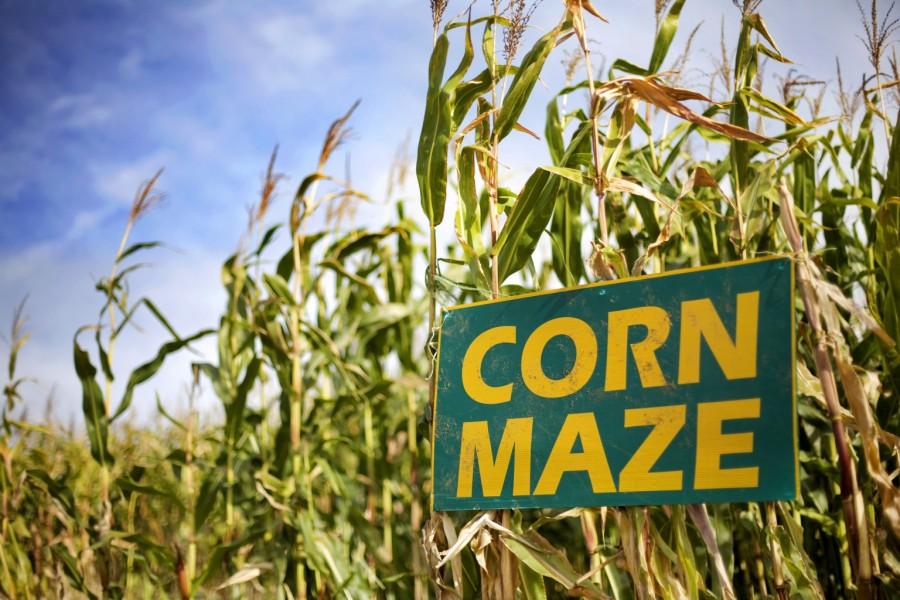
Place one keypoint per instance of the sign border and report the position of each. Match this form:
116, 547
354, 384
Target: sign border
632, 279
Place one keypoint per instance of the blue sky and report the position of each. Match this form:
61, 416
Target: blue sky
97, 95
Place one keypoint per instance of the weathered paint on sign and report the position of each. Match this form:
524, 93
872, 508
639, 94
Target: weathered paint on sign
672, 388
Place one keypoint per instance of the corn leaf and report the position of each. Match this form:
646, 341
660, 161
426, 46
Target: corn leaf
664, 36
92, 405
523, 83
149, 369
527, 220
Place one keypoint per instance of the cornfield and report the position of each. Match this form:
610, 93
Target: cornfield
316, 481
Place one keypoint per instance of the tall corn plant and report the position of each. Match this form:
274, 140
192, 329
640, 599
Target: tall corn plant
655, 207
289, 496
310, 497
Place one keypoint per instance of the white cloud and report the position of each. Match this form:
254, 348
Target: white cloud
345, 9
16, 268
78, 111
83, 222
276, 52
118, 182
290, 40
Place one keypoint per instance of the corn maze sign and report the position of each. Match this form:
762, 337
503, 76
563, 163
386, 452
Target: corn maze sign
675, 388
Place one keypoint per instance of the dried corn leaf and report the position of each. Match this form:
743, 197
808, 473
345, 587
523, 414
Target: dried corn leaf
669, 99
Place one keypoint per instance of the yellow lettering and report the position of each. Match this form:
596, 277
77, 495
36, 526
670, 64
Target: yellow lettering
585, 358
656, 320
473, 382
667, 421
737, 358
476, 444
592, 457
712, 444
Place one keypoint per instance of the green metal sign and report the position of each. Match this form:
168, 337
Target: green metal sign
671, 388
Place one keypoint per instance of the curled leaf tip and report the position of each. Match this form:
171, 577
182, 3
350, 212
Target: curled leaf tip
585, 5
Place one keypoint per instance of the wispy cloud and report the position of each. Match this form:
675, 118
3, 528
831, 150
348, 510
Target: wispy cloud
117, 181
78, 111
268, 51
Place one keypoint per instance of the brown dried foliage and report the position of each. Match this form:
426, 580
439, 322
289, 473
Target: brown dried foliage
877, 32
146, 198
337, 134
520, 13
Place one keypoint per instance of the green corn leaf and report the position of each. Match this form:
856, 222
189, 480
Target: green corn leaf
863, 153
159, 553
385, 315
468, 214
129, 486
891, 186
581, 85
771, 108
565, 232
578, 153
149, 369
684, 549
887, 242
362, 239
664, 36
744, 55
327, 554
574, 175
744, 74
464, 62
234, 410
623, 66
154, 310
490, 19
469, 91
279, 288
267, 238
527, 220
206, 498
330, 350
162, 410
618, 136
438, 127
863, 138
136, 248
541, 557
802, 568
306, 184
804, 188
488, 48
740, 155
72, 570
766, 51
95, 419
104, 356
506, 198
532, 587
431, 161
285, 266
553, 132
215, 377
342, 271
523, 83
58, 490
104, 285
217, 557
